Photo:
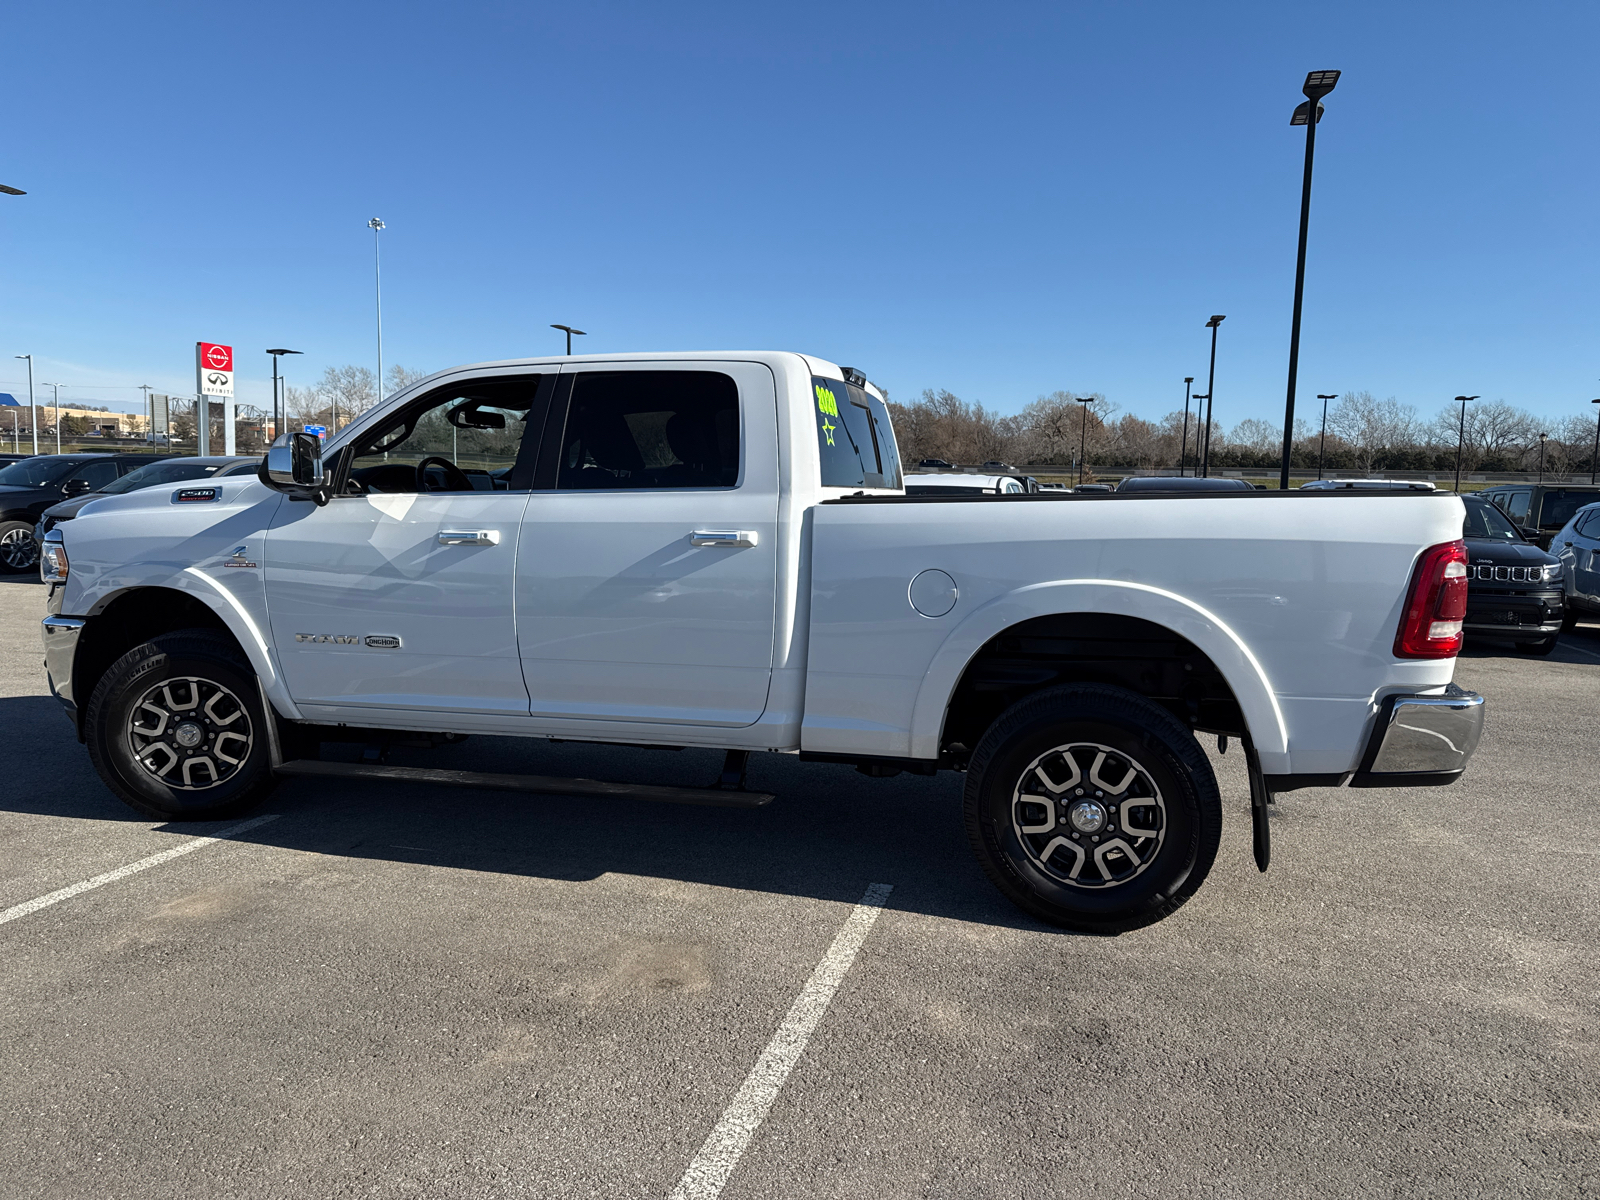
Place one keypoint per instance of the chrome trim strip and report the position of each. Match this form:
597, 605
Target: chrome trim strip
60, 645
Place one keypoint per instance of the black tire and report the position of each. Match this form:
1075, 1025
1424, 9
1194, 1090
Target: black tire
195, 684
19, 550
1542, 646
1569, 619
1154, 876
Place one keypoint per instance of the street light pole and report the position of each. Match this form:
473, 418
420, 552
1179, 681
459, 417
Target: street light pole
1542, 436
1461, 438
1183, 446
1318, 84
569, 331
1594, 455
277, 421
33, 413
1322, 444
1211, 387
377, 289
57, 393
1083, 432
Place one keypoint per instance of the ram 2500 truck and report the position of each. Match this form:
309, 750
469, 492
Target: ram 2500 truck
715, 550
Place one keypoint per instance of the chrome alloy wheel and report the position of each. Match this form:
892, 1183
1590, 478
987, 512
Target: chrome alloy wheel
190, 733
18, 550
1089, 815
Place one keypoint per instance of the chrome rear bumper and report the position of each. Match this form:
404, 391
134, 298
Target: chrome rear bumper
1422, 740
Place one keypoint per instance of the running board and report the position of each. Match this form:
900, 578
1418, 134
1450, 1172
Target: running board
540, 784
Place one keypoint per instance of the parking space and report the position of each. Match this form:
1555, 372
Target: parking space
404, 991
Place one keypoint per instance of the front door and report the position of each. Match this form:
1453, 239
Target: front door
646, 578
397, 595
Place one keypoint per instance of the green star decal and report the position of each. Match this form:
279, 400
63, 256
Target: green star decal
828, 429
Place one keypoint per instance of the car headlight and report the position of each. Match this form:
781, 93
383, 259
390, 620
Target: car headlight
1552, 573
53, 565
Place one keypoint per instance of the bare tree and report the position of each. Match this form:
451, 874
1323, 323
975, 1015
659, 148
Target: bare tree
399, 378
349, 391
1372, 426
1494, 430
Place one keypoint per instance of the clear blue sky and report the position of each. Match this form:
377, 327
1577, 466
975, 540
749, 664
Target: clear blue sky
999, 199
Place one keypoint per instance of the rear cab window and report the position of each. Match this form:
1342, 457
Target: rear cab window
855, 439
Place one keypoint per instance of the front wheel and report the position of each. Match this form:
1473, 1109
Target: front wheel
1093, 808
1542, 646
176, 729
18, 550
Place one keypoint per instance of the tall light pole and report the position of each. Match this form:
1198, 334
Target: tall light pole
1183, 446
1083, 431
377, 290
570, 331
1542, 437
1461, 438
149, 415
1322, 444
1594, 455
1211, 387
1318, 84
57, 388
33, 413
277, 421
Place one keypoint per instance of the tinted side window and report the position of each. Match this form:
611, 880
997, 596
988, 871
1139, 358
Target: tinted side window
854, 437
1516, 505
648, 430
97, 473
1589, 526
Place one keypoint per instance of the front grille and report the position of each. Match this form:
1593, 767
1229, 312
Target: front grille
1507, 574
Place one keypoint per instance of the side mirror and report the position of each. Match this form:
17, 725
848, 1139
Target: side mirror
76, 487
293, 464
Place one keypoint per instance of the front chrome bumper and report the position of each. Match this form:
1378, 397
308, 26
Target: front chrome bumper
1422, 740
60, 645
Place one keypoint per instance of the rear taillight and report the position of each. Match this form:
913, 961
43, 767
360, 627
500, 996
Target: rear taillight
1430, 625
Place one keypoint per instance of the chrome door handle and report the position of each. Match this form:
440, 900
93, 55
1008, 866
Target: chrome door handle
731, 538
469, 537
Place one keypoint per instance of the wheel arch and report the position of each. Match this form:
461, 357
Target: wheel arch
122, 619
950, 675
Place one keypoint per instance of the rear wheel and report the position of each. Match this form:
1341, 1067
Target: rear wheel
18, 550
176, 729
1092, 808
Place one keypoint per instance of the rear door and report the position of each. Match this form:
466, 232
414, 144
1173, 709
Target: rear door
1585, 560
647, 570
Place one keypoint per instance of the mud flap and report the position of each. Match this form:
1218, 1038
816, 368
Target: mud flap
1260, 797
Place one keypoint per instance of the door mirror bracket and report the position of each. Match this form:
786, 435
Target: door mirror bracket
293, 465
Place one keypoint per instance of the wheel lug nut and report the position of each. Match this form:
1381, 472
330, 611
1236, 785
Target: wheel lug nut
1095, 838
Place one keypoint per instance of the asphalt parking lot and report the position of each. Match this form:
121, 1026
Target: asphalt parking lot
402, 991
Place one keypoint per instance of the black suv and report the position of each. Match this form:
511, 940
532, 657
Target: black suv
1514, 589
1541, 509
29, 487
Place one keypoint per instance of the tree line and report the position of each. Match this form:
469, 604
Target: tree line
1363, 434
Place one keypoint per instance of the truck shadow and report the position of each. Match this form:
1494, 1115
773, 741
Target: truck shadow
828, 835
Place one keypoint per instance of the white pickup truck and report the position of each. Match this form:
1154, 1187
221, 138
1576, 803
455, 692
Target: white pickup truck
715, 550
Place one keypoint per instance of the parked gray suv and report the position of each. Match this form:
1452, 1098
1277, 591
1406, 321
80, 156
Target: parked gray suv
1577, 545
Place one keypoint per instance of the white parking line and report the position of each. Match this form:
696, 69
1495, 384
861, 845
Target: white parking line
1579, 649
133, 868
708, 1173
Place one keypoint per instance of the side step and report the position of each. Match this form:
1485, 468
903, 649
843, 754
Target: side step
540, 784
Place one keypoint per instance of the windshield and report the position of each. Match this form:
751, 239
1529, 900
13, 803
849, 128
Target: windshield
161, 472
1560, 504
1484, 520
854, 437
35, 472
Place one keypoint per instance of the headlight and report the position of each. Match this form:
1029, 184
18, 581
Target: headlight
53, 565
1552, 573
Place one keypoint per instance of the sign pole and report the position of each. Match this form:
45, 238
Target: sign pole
202, 409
